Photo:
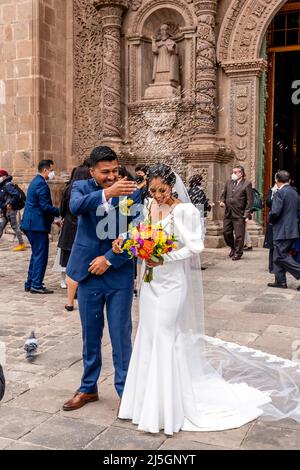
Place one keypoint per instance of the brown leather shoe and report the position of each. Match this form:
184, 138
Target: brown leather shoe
80, 399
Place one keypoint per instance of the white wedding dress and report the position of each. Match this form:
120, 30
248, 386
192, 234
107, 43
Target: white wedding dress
180, 379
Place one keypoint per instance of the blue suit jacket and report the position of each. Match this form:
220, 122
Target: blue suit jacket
284, 214
39, 212
96, 231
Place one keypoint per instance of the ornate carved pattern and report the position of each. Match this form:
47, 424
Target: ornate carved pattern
162, 130
88, 69
242, 121
206, 67
135, 4
111, 72
243, 26
143, 12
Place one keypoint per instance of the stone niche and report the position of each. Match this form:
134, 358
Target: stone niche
158, 92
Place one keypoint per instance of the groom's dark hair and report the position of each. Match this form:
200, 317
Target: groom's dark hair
102, 154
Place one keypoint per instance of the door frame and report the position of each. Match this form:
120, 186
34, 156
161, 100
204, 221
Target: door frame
269, 133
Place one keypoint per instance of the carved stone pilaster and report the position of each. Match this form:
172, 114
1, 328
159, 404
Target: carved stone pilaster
111, 12
206, 69
87, 120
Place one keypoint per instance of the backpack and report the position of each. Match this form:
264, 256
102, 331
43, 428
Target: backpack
21, 196
257, 201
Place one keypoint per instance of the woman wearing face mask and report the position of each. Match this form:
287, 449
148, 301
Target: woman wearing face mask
38, 216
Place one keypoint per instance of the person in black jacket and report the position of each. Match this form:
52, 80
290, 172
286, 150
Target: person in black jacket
268, 241
197, 195
284, 219
9, 200
69, 228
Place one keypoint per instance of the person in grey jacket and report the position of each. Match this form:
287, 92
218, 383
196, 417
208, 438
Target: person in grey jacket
284, 219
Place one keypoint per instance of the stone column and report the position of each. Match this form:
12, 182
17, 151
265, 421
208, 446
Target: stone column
206, 67
111, 12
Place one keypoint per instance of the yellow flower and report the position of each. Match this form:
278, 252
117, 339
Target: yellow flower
125, 205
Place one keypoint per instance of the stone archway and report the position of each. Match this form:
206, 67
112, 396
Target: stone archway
238, 53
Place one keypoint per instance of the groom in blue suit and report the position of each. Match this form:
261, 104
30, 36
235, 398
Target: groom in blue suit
105, 279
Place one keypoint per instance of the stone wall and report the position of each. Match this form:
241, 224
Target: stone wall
52, 81
16, 84
32, 84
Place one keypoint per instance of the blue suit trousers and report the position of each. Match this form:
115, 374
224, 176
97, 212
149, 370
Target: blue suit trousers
39, 242
93, 296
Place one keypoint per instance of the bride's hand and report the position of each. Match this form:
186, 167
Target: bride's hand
117, 245
153, 264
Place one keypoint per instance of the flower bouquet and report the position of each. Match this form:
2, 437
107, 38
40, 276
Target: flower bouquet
149, 242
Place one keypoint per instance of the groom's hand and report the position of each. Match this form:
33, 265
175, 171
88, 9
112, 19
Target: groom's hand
122, 187
98, 266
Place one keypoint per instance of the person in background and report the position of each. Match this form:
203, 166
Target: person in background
248, 242
9, 206
38, 216
86, 162
141, 171
268, 241
284, 218
68, 231
199, 199
197, 194
123, 172
237, 199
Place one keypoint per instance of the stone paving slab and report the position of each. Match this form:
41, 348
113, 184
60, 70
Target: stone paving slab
185, 444
268, 437
63, 433
124, 439
239, 307
16, 422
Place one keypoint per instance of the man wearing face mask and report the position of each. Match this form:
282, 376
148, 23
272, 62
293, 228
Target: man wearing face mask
237, 198
38, 217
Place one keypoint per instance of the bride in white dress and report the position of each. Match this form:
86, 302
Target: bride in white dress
178, 378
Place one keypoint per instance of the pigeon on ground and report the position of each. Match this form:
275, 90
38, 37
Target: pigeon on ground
31, 346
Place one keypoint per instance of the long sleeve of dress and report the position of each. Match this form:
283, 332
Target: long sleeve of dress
187, 230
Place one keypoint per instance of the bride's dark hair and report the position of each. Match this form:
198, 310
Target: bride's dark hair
160, 170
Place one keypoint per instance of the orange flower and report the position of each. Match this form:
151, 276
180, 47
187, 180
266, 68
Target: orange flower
146, 250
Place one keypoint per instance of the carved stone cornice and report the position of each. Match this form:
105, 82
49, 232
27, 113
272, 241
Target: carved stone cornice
99, 4
245, 68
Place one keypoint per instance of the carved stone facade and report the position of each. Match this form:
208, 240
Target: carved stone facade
73, 75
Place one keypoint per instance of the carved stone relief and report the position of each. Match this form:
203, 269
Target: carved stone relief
162, 130
135, 4
242, 121
242, 29
206, 67
88, 69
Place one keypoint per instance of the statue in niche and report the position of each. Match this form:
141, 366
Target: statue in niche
166, 64
165, 74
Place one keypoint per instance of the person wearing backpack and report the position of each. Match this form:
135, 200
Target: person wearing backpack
10, 203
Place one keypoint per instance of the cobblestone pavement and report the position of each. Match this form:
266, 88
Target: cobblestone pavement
239, 307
